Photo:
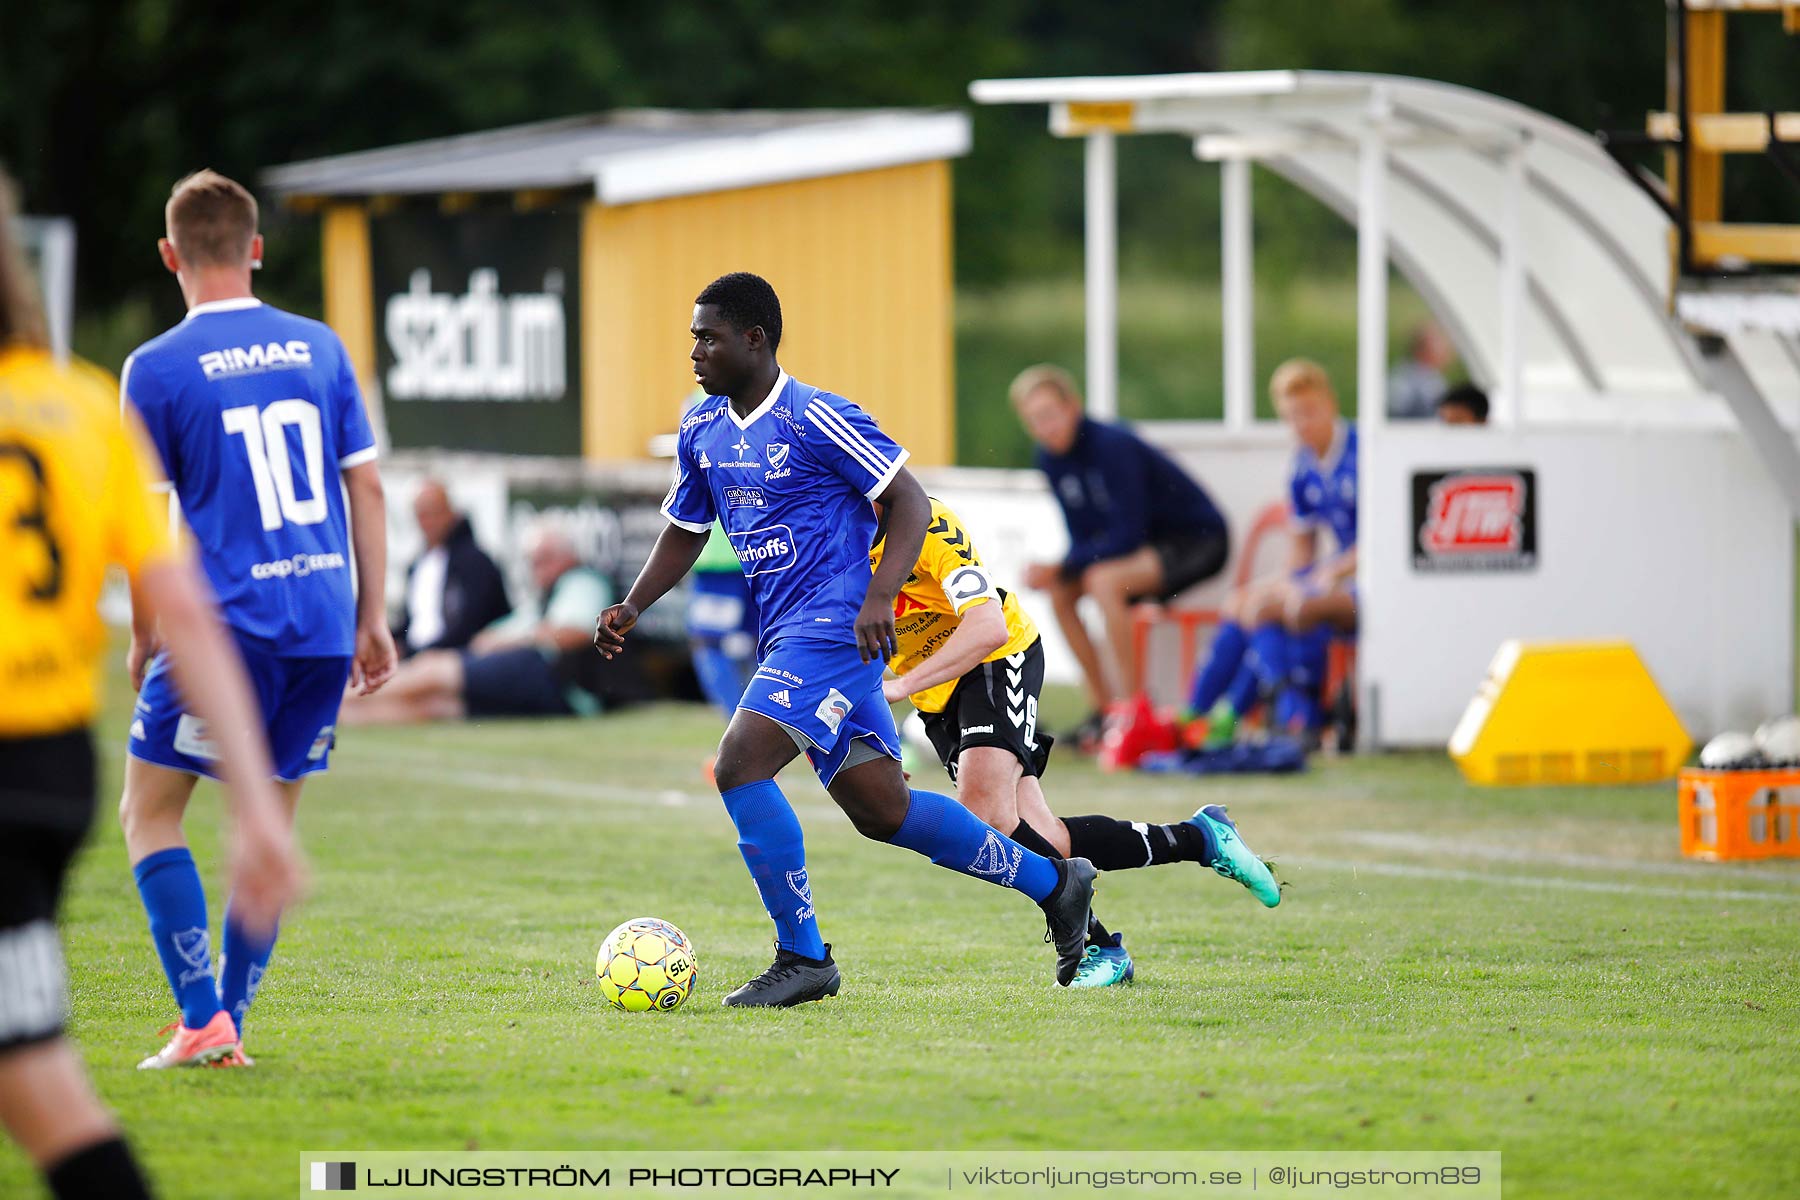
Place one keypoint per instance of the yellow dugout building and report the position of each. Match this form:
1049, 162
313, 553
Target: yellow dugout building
528, 289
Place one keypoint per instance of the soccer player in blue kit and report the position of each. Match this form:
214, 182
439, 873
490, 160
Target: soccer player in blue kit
1276, 631
256, 415
790, 471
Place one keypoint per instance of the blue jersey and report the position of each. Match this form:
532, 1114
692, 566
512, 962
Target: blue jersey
791, 484
256, 413
1322, 492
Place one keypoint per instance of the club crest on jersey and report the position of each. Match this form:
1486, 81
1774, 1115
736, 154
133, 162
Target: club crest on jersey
778, 453
254, 360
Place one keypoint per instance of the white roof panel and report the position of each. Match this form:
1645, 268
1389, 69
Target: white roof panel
1595, 247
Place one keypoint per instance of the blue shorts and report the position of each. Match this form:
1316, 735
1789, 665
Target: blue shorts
825, 693
299, 698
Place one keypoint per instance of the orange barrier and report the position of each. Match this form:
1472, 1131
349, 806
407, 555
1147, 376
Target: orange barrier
1730, 815
1147, 615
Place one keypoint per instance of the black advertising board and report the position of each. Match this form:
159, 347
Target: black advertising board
477, 329
1475, 519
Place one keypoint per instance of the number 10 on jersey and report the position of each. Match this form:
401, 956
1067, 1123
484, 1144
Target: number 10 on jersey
272, 466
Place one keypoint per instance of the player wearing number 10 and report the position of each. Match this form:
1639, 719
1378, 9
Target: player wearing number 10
256, 414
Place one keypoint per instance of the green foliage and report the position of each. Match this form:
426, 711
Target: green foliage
1169, 347
107, 104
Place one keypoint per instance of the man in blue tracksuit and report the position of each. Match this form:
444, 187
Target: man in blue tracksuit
1138, 527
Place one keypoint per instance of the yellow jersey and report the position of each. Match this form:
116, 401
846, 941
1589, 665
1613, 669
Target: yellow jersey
74, 496
947, 581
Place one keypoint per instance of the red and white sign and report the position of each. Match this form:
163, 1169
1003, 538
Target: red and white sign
1479, 520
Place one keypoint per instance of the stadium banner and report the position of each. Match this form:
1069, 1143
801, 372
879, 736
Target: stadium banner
1303, 1175
1474, 519
477, 329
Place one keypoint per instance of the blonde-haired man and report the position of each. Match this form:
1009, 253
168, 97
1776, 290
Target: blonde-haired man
1273, 640
258, 419
73, 497
1138, 527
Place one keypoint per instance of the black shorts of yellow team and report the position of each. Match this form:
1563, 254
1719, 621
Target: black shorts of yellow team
995, 704
46, 805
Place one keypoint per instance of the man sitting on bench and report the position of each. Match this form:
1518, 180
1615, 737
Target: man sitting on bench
1139, 528
1273, 642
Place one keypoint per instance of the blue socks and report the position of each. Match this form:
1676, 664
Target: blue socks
243, 960
1268, 657
774, 849
176, 904
1222, 661
1307, 655
952, 836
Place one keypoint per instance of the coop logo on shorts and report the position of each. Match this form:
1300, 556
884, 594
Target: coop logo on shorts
1475, 520
833, 709
321, 744
765, 551
297, 567
191, 739
334, 1177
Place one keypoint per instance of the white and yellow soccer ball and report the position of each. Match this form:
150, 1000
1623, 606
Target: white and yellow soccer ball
646, 964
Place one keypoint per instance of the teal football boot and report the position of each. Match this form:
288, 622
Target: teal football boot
1103, 964
1232, 858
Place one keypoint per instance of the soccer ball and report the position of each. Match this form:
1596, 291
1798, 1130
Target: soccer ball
1779, 739
1731, 751
646, 963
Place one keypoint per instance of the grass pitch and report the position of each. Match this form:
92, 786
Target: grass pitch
1535, 972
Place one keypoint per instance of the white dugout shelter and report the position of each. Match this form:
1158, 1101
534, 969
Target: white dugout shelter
1648, 478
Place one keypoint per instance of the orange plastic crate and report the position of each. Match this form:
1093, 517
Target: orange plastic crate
1740, 814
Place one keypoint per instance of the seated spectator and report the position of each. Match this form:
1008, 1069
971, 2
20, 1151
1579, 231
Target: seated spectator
1273, 641
533, 662
1138, 527
1464, 404
453, 589
1415, 385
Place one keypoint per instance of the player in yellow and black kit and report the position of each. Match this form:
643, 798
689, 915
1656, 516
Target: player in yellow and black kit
970, 660
73, 497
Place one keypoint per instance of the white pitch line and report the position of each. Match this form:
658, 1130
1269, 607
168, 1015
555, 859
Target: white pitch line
1554, 883
434, 770
1488, 851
